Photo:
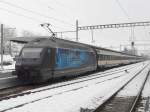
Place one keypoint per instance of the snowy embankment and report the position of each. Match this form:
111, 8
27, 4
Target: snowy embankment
8, 63
134, 86
146, 91
87, 94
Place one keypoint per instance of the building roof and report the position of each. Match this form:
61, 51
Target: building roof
25, 39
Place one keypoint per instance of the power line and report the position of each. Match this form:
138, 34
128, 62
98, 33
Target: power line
37, 13
18, 14
49, 7
122, 8
28, 17
69, 9
54, 9
132, 38
61, 4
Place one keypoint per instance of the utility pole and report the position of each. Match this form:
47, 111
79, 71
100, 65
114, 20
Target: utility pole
2, 49
77, 39
92, 34
132, 40
12, 36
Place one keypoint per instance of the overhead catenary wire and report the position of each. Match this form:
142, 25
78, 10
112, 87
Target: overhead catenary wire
52, 9
132, 38
123, 9
34, 12
28, 17
18, 14
69, 9
62, 5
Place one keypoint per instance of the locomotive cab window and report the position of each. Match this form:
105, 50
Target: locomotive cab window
31, 52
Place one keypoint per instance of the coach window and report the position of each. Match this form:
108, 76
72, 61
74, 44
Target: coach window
113, 57
102, 57
105, 57
99, 57
109, 57
48, 51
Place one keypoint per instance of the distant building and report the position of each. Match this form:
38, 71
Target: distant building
13, 45
132, 51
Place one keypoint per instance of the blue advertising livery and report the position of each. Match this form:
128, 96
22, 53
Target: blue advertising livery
73, 58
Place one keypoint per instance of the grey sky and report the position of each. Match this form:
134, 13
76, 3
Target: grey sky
62, 14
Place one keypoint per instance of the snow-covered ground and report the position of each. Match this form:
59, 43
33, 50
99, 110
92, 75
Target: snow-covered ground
146, 91
87, 94
8, 63
133, 87
144, 104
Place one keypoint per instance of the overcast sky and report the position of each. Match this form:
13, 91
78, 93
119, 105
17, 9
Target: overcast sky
62, 15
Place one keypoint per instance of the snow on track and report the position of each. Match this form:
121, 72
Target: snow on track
133, 87
72, 97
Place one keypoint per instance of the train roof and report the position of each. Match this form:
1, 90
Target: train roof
57, 42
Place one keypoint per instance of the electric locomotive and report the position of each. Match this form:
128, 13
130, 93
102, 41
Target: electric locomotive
47, 58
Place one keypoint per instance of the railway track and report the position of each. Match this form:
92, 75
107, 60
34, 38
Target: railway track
18, 87
73, 85
17, 90
143, 105
116, 103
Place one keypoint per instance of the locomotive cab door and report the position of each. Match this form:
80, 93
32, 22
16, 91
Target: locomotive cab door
48, 63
